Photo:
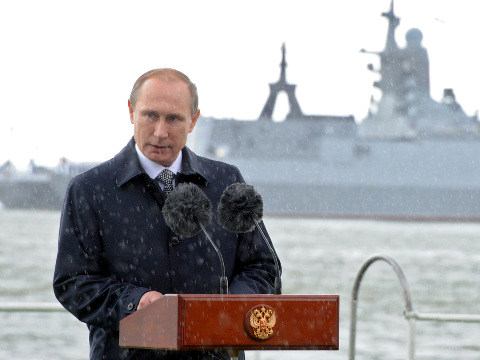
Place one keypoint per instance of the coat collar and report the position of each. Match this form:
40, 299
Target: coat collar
127, 165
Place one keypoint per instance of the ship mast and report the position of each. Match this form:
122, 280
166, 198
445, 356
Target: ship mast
393, 22
276, 88
388, 118
283, 66
389, 68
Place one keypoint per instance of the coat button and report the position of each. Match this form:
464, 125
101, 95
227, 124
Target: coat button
130, 306
174, 241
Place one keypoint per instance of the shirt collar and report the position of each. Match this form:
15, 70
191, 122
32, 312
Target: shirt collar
153, 169
127, 165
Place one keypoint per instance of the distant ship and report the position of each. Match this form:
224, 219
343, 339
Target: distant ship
410, 158
39, 187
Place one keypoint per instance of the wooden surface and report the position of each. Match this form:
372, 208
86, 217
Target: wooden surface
213, 321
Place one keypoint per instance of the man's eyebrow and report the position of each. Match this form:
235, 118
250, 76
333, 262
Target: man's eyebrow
150, 111
178, 115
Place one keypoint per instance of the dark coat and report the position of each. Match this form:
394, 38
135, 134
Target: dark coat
114, 246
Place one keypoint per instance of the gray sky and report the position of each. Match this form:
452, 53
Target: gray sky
67, 67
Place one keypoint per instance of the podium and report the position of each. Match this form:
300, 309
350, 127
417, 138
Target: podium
234, 322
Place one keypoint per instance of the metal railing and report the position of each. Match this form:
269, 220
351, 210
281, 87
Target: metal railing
31, 307
409, 313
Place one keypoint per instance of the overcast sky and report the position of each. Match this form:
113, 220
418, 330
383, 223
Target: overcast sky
67, 67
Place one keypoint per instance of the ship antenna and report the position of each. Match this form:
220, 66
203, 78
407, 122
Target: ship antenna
393, 22
283, 65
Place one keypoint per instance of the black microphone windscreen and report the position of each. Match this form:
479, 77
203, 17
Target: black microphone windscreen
186, 207
239, 206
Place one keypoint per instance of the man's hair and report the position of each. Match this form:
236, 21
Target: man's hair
165, 74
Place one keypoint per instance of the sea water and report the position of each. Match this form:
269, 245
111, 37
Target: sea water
440, 260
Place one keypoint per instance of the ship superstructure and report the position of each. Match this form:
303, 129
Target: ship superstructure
406, 109
410, 158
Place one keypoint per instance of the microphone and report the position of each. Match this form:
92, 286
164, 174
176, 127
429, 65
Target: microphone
187, 211
240, 210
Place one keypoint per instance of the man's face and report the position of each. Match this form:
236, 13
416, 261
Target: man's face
162, 119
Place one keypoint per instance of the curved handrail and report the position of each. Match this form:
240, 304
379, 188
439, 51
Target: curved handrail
406, 293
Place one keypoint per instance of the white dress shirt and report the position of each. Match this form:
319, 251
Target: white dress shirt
153, 169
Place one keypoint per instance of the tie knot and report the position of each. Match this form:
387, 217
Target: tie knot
166, 177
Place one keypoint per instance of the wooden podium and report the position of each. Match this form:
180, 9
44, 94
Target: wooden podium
242, 322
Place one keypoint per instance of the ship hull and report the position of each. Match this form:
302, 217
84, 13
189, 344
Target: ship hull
323, 169
362, 202
334, 173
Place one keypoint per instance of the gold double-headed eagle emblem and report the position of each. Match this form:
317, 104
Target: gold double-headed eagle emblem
262, 321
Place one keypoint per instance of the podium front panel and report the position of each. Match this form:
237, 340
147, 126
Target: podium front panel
248, 322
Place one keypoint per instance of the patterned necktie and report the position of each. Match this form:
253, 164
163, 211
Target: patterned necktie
166, 177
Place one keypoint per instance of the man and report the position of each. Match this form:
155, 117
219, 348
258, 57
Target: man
115, 252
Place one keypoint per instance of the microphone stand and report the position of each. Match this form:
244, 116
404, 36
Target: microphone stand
278, 281
223, 278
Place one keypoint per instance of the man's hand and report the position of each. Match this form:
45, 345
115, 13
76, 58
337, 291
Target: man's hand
148, 298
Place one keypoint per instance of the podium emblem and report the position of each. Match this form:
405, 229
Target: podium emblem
260, 322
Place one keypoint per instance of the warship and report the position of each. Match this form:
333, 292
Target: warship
38, 187
410, 158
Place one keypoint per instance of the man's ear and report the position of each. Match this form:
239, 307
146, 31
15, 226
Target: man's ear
130, 110
194, 121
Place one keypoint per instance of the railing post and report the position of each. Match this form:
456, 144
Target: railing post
406, 293
411, 338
